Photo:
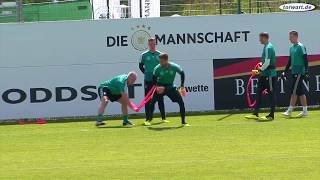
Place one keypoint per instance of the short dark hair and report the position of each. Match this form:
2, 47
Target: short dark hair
264, 34
151, 39
295, 33
164, 56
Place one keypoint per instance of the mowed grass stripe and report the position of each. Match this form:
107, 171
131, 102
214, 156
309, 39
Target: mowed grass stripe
215, 147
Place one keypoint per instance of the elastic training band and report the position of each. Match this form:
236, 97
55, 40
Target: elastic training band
252, 104
145, 100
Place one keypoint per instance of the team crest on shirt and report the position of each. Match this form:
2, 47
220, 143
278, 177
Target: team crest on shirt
171, 72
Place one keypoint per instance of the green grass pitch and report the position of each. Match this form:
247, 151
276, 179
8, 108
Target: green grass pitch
224, 146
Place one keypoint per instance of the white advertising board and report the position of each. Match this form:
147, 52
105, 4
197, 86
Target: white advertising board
68, 58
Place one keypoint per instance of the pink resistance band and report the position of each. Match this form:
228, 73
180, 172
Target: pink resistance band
252, 104
148, 97
145, 100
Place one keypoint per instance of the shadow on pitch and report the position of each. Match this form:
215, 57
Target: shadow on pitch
157, 123
164, 128
225, 117
112, 127
292, 117
264, 121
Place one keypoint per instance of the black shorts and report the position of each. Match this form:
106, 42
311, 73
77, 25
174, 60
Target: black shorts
172, 93
265, 82
104, 91
298, 87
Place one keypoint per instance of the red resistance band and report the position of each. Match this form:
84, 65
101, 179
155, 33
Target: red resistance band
148, 97
145, 100
252, 104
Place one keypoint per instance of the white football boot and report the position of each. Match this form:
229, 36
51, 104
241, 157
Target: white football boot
302, 114
287, 113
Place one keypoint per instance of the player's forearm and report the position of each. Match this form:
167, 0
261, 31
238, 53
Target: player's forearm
141, 67
182, 78
265, 65
306, 64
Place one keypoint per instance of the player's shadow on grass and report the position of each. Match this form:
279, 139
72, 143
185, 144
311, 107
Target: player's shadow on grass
292, 117
164, 128
157, 123
112, 127
225, 117
264, 121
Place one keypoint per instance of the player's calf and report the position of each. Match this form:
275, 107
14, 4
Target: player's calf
102, 106
124, 108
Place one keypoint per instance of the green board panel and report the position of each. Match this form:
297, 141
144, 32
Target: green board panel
76, 10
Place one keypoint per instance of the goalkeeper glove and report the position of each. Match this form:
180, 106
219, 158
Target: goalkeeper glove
306, 76
283, 76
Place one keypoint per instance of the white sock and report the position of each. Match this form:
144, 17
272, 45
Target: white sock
290, 108
305, 109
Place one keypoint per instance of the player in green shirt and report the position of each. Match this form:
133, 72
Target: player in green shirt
267, 79
163, 76
115, 90
298, 61
148, 61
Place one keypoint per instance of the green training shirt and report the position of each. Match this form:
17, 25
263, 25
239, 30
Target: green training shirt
117, 84
296, 57
150, 61
269, 53
165, 76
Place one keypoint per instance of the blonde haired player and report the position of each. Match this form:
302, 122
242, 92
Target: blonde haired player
298, 62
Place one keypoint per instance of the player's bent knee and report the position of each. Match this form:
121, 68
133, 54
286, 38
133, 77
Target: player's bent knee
104, 99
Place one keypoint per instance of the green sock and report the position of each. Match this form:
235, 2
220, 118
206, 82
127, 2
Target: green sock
99, 118
125, 118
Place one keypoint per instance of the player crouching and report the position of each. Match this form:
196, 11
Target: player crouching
115, 90
163, 76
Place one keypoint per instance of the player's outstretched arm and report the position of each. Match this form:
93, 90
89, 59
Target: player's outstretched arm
124, 103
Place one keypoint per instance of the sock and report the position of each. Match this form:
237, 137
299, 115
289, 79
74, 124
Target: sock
305, 109
99, 118
290, 108
125, 119
183, 118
